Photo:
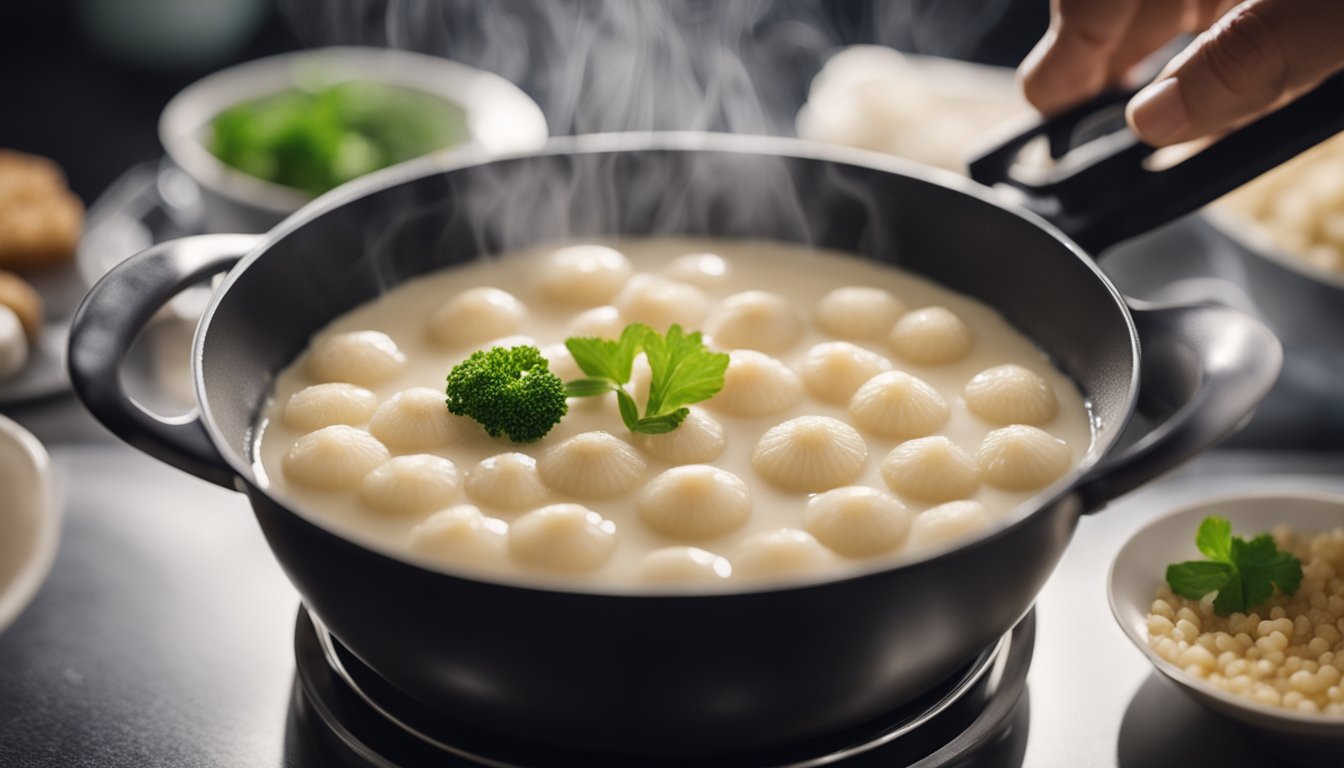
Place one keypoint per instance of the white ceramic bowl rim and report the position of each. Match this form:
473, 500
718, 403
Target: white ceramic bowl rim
1137, 633
500, 117
41, 551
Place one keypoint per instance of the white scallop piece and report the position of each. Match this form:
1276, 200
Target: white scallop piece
583, 275
810, 453
1022, 458
561, 362
756, 384
699, 439
896, 404
13, 343
834, 371
507, 481
569, 538
709, 271
365, 358
476, 315
660, 303
949, 522
592, 465
932, 469
931, 336
857, 521
695, 502
600, 322
323, 405
758, 320
858, 312
779, 552
417, 419
1010, 394
415, 484
461, 535
334, 458
682, 565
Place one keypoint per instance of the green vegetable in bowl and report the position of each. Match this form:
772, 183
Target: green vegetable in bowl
1243, 573
510, 391
316, 140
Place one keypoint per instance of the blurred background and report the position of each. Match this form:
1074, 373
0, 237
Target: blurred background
85, 80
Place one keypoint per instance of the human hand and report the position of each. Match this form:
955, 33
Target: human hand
1249, 58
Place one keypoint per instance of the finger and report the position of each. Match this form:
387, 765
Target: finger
1154, 25
1250, 59
1071, 62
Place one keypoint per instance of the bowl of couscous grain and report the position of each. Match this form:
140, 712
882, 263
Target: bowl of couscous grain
1275, 667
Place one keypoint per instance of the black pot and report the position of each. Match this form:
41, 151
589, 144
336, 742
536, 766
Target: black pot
668, 673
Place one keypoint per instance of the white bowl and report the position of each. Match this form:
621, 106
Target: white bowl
500, 119
1140, 568
29, 519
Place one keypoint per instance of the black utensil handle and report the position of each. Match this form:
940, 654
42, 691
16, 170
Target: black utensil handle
1110, 194
1204, 368
106, 325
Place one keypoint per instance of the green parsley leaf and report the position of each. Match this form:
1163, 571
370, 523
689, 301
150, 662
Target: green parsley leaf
1243, 573
684, 371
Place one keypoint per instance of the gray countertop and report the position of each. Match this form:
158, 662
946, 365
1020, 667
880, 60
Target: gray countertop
164, 635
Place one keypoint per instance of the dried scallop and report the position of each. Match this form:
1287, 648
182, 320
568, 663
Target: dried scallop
476, 315
562, 537
461, 535
323, 405
857, 521
417, 419
833, 371
758, 320
13, 343
931, 469
949, 522
810, 453
592, 465
1011, 394
931, 336
699, 439
1022, 458
780, 552
507, 481
365, 358
695, 502
858, 312
660, 303
583, 275
896, 404
680, 565
756, 384
333, 458
411, 485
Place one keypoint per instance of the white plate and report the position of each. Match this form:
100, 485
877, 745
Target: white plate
29, 519
1140, 567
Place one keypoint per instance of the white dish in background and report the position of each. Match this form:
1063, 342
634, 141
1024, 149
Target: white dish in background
500, 119
1140, 567
29, 519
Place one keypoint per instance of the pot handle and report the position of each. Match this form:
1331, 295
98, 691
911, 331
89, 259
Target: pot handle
108, 322
1204, 368
1102, 191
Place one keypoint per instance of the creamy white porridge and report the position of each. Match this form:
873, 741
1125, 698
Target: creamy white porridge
867, 416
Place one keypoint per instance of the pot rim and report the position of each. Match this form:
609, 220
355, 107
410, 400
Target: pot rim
682, 141
1252, 236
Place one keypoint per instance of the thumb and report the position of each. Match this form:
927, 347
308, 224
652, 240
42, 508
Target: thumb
1261, 53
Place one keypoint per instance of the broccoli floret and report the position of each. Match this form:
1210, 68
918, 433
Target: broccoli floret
511, 392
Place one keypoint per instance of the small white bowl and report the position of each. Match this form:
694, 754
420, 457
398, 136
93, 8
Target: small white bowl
1140, 568
29, 519
500, 119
